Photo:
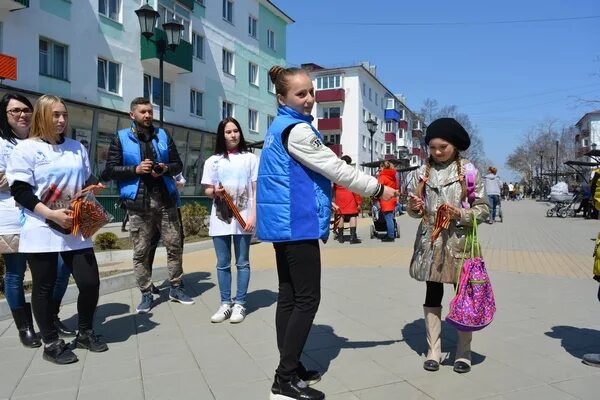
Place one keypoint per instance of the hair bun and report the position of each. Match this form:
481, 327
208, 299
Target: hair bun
275, 71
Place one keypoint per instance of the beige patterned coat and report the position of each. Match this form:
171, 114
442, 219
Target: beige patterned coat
440, 262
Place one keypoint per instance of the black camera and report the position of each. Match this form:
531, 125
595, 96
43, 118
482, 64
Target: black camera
157, 168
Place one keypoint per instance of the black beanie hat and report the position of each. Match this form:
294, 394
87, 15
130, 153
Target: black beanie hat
451, 131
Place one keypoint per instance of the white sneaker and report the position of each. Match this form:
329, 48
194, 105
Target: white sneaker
222, 313
238, 314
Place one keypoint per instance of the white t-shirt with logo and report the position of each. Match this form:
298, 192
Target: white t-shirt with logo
56, 173
236, 174
9, 212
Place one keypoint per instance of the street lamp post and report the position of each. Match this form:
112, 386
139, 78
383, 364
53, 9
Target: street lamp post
147, 17
372, 128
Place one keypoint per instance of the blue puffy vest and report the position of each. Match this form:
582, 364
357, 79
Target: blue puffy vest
132, 155
292, 202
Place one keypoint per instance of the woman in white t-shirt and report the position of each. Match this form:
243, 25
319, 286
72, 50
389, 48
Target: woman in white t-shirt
233, 169
45, 172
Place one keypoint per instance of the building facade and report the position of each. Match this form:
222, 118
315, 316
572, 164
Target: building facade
91, 53
588, 133
346, 98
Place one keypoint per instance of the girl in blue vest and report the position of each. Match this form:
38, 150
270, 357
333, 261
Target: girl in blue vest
293, 211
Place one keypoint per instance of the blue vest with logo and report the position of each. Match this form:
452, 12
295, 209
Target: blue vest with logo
292, 201
132, 155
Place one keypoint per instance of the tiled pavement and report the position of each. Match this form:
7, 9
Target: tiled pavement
368, 336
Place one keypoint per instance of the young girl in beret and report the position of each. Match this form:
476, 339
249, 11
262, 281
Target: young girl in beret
442, 180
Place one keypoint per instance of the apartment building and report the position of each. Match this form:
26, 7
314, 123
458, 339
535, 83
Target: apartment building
347, 97
91, 53
588, 133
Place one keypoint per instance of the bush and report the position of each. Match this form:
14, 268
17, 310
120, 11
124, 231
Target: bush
106, 241
193, 217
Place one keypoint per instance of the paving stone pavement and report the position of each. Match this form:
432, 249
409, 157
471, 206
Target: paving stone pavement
368, 336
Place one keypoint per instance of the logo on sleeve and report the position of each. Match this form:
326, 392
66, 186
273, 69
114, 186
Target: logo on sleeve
316, 143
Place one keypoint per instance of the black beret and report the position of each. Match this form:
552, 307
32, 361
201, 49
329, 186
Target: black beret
451, 131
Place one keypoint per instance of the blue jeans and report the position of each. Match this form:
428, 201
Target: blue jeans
389, 222
241, 245
15, 273
494, 200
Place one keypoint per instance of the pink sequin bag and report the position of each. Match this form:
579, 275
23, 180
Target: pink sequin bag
473, 307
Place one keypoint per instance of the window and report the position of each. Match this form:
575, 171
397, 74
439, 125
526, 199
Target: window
370, 93
389, 148
391, 126
152, 90
332, 112
227, 110
252, 25
270, 86
54, 59
585, 142
329, 82
109, 76
270, 120
364, 115
110, 9
253, 74
364, 89
333, 139
364, 142
271, 39
196, 103
228, 11
170, 13
376, 99
253, 120
228, 62
201, 2
401, 134
198, 46
401, 112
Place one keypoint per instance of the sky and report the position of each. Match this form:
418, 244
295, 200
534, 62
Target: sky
509, 65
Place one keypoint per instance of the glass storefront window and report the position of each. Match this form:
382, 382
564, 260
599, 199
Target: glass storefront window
80, 123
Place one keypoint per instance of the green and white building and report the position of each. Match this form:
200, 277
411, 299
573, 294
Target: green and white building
91, 53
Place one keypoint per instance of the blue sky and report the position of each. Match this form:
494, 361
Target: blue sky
507, 77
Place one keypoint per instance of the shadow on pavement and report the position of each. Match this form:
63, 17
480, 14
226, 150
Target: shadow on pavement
576, 341
324, 346
413, 335
258, 299
195, 285
122, 328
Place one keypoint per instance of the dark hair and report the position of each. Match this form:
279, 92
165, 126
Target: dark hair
221, 147
279, 76
138, 101
5, 130
346, 158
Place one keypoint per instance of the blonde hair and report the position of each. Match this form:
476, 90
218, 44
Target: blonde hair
41, 120
279, 76
386, 165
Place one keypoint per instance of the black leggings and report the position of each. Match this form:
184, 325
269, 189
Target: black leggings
299, 272
434, 294
82, 264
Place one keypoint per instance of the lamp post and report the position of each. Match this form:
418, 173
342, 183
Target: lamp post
541, 154
147, 17
372, 128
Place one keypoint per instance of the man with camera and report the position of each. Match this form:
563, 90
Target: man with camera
143, 160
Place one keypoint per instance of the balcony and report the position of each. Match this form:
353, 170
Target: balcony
417, 133
416, 151
7, 6
585, 133
329, 95
389, 157
403, 124
177, 62
417, 126
329, 124
582, 150
336, 148
390, 137
392, 115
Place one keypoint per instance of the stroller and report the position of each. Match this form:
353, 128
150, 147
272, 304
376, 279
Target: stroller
564, 205
379, 227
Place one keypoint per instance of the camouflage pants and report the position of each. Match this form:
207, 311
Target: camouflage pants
143, 227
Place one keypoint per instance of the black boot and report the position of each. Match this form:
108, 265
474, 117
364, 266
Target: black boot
61, 328
59, 353
353, 238
89, 340
295, 388
24, 323
341, 235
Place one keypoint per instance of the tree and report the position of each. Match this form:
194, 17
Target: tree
475, 153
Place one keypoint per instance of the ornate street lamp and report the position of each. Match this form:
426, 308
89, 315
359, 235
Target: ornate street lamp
147, 17
372, 128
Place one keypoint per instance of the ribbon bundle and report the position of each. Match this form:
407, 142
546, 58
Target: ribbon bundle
442, 221
88, 214
236, 212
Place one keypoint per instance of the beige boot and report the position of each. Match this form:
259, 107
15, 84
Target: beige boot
462, 361
433, 327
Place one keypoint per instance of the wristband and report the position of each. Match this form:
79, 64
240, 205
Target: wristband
379, 191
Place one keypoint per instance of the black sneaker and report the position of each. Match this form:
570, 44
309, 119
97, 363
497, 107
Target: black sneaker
388, 239
294, 389
309, 376
154, 289
61, 328
89, 340
59, 353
